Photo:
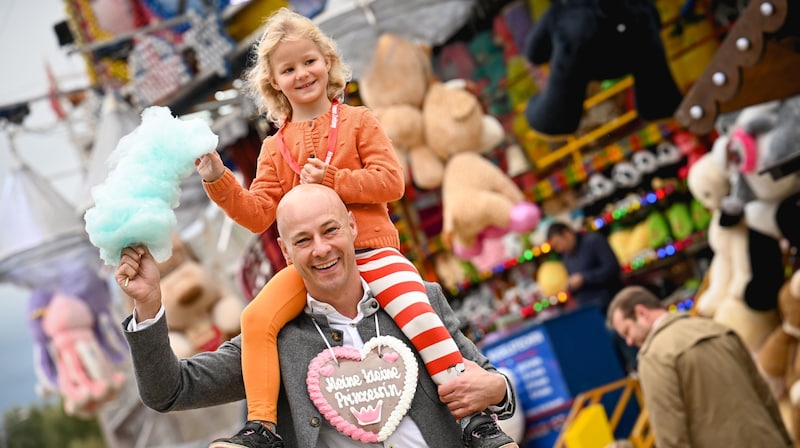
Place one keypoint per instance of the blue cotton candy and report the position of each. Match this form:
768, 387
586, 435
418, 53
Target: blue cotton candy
136, 202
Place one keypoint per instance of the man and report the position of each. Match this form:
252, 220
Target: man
318, 239
701, 387
594, 272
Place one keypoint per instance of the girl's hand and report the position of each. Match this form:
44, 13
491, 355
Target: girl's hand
313, 171
210, 167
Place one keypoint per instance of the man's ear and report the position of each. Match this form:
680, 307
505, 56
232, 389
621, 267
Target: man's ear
285, 253
639, 311
353, 225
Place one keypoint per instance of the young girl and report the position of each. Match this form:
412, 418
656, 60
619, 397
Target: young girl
301, 80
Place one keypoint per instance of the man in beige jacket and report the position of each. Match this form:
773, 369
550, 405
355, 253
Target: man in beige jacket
701, 386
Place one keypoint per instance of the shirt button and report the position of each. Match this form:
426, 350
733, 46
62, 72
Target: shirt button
374, 304
314, 422
336, 336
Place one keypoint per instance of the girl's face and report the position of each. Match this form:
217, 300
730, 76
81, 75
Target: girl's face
300, 71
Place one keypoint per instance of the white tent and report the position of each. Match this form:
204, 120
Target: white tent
355, 25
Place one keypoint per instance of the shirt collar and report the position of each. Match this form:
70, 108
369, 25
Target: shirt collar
366, 307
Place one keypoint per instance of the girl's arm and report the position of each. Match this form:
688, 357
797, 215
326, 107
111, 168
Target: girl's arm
252, 208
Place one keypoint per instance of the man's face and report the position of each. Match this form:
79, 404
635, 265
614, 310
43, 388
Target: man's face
633, 330
562, 242
317, 236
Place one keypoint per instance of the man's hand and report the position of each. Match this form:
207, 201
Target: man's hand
473, 391
138, 276
210, 167
574, 282
313, 171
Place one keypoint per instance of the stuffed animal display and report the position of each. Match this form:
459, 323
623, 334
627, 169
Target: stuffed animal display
441, 129
759, 137
584, 40
201, 313
750, 141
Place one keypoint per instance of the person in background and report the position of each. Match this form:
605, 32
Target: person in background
701, 387
594, 276
340, 310
594, 272
299, 79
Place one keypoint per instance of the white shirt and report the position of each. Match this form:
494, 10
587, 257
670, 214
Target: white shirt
407, 434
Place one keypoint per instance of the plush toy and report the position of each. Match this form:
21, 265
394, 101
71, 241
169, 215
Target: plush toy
479, 200
587, 40
779, 357
86, 377
759, 137
200, 312
394, 87
729, 270
77, 342
43, 363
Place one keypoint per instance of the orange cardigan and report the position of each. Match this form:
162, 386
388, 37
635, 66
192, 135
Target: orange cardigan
364, 171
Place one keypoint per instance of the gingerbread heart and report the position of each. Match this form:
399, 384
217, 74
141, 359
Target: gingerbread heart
364, 393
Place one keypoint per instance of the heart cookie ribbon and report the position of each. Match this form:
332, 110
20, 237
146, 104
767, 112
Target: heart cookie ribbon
364, 393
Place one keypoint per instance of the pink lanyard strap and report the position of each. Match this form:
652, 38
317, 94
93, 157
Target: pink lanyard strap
332, 137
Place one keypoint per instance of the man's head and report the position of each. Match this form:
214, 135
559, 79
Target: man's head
632, 313
316, 233
561, 237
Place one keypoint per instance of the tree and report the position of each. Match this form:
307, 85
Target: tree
47, 426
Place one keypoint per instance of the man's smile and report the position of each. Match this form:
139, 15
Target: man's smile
327, 265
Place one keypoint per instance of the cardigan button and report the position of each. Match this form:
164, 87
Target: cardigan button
314, 422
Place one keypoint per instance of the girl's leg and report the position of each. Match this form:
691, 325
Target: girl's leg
281, 300
399, 289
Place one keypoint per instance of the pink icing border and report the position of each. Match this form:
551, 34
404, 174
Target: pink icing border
342, 425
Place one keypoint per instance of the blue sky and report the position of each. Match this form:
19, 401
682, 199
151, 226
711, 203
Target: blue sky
27, 40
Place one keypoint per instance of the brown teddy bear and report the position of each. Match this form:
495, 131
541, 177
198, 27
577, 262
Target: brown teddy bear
441, 135
779, 357
200, 312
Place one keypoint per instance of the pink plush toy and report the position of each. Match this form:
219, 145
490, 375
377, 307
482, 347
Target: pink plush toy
86, 376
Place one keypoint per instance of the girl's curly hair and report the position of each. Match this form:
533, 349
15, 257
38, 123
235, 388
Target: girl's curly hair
286, 25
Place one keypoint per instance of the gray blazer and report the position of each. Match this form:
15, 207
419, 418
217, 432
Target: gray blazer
213, 378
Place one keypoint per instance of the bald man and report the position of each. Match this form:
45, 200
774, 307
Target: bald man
316, 235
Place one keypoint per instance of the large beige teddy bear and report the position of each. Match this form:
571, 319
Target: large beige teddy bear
201, 313
441, 134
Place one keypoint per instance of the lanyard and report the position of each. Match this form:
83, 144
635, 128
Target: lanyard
332, 137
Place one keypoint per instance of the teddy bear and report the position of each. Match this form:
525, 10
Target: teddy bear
201, 312
779, 357
586, 40
441, 129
